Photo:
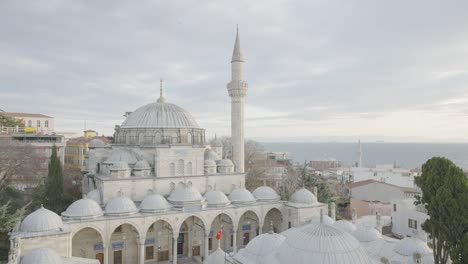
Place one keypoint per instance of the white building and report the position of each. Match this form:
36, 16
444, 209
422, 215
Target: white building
407, 218
159, 193
384, 173
40, 123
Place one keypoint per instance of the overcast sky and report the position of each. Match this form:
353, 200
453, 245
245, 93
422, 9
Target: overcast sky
369, 69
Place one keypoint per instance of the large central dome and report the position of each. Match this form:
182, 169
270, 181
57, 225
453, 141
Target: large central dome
160, 115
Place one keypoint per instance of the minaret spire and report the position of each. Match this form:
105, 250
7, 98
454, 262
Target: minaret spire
161, 97
237, 89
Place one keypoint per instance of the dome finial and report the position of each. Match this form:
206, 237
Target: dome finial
161, 97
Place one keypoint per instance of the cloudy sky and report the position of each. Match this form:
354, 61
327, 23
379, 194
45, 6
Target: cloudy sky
345, 69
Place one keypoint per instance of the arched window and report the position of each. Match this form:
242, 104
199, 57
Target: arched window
29, 123
180, 167
189, 168
172, 169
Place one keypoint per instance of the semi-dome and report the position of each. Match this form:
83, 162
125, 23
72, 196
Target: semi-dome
121, 155
303, 196
259, 248
120, 205
83, 209
210, 163
41, 220
185, 194
410, 245
142, 165
319, 243
154, 203
211, 155
41, 256
265, 193
96, 143
241, 196
366, 234
160, 115
215, 198
345, 226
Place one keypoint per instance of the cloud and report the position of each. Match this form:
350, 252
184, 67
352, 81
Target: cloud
313, 67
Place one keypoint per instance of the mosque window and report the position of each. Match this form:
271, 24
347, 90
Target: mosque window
29, 123
172, 169
180, 167
394, 207
149, 253
46, 123
38, 123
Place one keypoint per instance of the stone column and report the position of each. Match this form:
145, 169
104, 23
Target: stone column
206, 249
141, 249
260, 228
174, 248
234, 240
106, 253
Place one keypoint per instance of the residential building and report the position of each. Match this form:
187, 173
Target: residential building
33, 123
76, 148
407, 218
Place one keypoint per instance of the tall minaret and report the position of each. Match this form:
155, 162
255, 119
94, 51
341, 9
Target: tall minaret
237, 89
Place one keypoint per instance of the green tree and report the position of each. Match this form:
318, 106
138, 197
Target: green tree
445, 196
9, 122
54, 197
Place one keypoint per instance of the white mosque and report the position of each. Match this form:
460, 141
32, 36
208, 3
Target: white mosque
160, 194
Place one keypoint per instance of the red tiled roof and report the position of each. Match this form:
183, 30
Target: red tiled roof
366, 182
11, 114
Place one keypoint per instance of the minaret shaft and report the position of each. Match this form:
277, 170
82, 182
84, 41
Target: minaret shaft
237, 89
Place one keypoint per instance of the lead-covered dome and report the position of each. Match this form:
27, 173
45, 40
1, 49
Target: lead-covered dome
257, 250
410, 245
241, 196
326, 220
41, 256
366, 234
120, 205
345, 226
96, 143
83, 209
185, 194
215, 198
154, 203
41, 220
160, 115
319, 243
303, 196
265, 193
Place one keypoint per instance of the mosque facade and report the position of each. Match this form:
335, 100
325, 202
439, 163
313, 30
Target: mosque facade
159, 194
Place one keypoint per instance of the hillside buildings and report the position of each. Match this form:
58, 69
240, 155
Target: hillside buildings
32, 122
77, 148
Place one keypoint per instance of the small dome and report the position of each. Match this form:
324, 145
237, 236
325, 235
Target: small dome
216, 143
216, 198
216, 257
95, 195
265, 193
119, 166
410, 245
366, 234
225, 163
259, 248
41, 220
96, 143
344, 225
83, 209
326, 219
41, 256
319, 243
183, 194
160, 115
142, 165
154, 203
303, 196
210, 163
121, 155
120, 205
211, 155
241, 196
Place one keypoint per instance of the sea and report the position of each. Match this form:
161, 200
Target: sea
404, 155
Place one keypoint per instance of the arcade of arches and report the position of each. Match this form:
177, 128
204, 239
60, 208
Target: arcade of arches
192, 239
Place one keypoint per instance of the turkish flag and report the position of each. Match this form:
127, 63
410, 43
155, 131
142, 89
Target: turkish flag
220, 233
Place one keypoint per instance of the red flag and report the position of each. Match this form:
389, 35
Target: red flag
220, 233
